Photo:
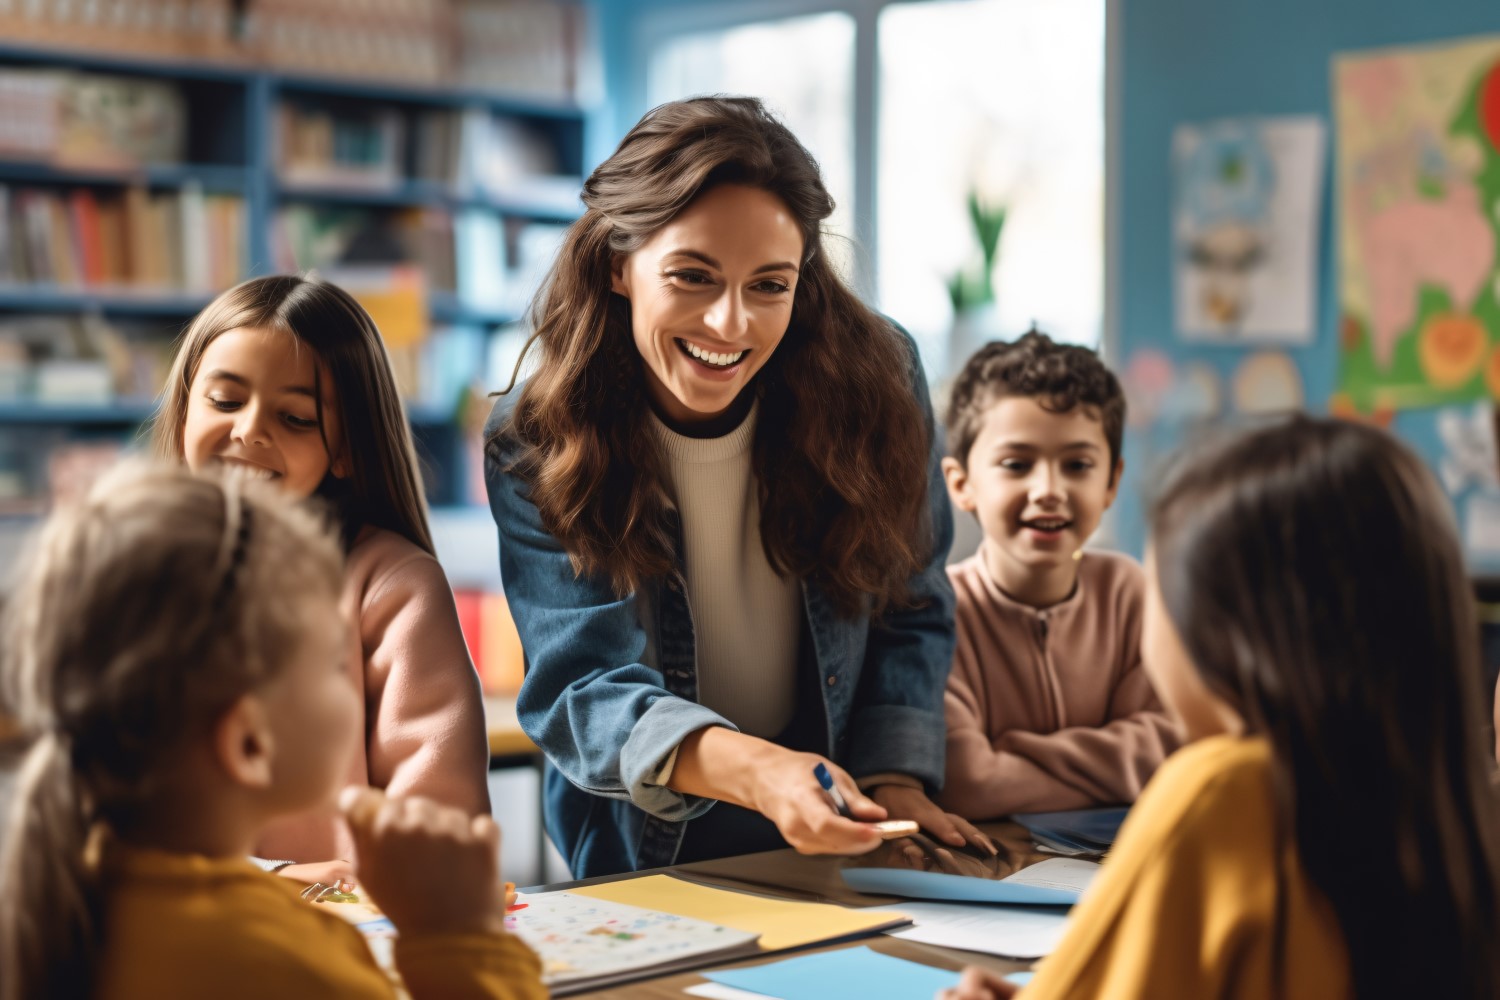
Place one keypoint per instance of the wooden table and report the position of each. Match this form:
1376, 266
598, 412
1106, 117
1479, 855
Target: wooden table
789, 875
508, 742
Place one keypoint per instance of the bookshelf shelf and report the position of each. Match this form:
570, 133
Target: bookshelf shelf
433, 97
418, 194
447, 308
222, 71
210, 177
76, 414
258, 190
120, 302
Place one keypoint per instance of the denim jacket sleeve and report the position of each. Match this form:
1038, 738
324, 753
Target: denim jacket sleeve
897, 723
603, 718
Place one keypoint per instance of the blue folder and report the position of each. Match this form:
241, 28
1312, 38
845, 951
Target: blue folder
955, 888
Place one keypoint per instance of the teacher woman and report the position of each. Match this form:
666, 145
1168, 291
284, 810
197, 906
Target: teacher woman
722, 517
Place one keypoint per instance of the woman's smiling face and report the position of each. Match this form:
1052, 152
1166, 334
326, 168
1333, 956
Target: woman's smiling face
711, 297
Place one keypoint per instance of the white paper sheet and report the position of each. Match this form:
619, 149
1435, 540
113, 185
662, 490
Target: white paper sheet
1073, 874
713, 991
1008, 931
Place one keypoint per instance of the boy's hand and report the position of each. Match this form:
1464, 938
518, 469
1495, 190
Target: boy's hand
979, 984
901, 802
431, 868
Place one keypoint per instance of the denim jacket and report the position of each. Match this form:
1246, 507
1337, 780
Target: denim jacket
607, 721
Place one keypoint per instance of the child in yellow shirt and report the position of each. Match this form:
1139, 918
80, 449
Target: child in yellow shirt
1331, 832
175, 653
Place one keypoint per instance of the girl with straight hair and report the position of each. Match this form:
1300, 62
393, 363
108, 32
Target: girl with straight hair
1332, 829
286, 378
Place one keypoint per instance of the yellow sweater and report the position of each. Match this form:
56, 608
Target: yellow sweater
1185, 907
186, 925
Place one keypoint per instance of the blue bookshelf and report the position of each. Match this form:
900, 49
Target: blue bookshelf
422, 194
108, 302
122, 414
210, 177
233, 117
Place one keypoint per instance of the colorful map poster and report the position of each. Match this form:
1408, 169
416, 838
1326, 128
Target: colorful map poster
1419, 224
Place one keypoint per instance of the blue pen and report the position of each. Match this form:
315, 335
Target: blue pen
830, 789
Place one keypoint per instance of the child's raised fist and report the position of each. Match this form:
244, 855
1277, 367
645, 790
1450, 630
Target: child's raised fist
431, 868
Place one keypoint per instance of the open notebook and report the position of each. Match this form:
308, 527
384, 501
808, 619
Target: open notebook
589, 943
600, 935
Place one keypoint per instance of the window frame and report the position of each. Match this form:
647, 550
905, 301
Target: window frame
661, 23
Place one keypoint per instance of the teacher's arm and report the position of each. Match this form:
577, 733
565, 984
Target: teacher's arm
897, 733
603, 718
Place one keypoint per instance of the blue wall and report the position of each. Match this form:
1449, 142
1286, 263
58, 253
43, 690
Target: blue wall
1190, 60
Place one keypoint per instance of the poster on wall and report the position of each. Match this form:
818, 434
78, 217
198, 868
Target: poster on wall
1248, 199
1418, 177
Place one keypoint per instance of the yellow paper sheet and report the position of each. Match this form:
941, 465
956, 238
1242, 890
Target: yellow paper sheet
780, 924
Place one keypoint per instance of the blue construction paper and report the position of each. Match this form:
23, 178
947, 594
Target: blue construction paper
955, 888
1019, 978
849, 972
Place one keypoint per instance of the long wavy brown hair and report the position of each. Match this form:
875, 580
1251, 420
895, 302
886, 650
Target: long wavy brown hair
1313, 571
842, 442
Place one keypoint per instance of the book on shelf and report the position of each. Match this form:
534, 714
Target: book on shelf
507, 158
181, 240
535, 47
186, 28
407, 39
90, 120
526, 47
343, 148
81, 359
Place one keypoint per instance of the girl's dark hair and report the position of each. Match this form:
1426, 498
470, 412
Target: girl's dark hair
1314, 575
841, 448
145, 611
383, 488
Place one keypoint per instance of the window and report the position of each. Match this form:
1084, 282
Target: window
801, 67
1000, 97
1004, 98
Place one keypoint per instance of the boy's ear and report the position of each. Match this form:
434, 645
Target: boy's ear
1114, 483
957, 478
617, 283
243, 743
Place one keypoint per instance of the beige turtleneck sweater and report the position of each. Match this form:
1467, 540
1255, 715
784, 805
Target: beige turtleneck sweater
747, 620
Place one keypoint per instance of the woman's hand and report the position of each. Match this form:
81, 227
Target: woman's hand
432, 868
334, 873
787, 793
901, 802
979, 984
718, 763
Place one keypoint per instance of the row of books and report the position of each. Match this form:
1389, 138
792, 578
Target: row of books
202, 29
470, 153
491, 262
90, 120
181, 240
82, 359
524, 46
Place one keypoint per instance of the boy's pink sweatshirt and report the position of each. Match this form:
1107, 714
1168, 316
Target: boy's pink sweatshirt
1051, 709
423, 713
